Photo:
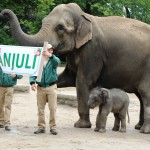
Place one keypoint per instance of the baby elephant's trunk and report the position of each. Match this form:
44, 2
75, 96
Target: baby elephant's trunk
90, 104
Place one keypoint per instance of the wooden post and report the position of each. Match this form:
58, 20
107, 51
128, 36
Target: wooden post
41, 64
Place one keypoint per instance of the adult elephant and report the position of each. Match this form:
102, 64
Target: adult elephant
113, 52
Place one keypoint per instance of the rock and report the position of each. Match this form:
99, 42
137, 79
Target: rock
21, 88
70, 100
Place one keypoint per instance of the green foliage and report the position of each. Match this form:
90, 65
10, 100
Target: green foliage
25, 10
5, 38
29, 12
138, 9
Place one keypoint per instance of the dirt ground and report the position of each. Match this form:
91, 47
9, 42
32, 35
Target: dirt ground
24, 123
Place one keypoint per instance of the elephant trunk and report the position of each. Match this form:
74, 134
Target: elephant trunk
21, 37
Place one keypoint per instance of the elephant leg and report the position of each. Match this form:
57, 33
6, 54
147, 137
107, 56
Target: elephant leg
83, 110
83, 122
141, 116
98, 121
144, 90
146, 102
103, 119
122, 117
117, 122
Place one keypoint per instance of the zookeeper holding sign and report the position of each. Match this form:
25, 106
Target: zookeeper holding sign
46, 90
14, 61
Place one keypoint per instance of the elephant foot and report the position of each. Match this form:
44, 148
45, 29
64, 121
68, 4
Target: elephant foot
122, 130
96, 129
145, 129
81, 123
115, 128
102, 130
138, 126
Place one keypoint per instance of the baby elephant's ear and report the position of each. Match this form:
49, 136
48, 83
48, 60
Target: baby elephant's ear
104, 94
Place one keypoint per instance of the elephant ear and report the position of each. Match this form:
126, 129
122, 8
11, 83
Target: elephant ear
84, 31
104, 94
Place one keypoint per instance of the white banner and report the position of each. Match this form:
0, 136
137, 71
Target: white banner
20, 59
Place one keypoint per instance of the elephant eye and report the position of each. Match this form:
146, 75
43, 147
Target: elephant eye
96, 99
60, 29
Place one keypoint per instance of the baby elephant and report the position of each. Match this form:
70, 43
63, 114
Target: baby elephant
113, 100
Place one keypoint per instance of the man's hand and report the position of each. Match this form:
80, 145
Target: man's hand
13, 75
47, 53
33, 87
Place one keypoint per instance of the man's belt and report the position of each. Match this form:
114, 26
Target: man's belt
47, 85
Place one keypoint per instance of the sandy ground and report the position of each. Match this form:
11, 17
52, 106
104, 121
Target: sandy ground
24, 123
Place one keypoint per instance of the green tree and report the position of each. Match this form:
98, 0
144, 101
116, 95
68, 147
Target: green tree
137, 9
29, 12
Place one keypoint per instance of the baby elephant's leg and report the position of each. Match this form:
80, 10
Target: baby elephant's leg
97, 122
117, 122
103, 119
123, 120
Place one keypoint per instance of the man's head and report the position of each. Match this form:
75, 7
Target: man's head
49, 48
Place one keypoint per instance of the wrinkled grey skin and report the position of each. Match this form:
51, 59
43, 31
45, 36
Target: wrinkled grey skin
113, 100
111, 52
